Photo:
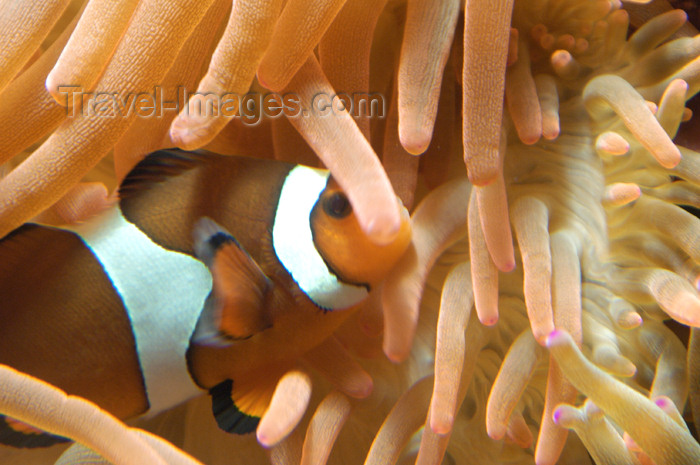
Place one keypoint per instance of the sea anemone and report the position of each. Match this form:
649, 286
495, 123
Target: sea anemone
602, 248
580, 162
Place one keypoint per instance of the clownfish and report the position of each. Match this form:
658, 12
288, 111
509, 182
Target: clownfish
209, 273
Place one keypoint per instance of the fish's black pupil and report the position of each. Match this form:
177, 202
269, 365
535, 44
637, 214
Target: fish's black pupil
337, 205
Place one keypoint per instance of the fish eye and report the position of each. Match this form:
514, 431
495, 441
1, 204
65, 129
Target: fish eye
337, 205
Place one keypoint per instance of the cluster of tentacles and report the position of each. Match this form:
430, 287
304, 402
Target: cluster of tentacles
579, 162
605, 254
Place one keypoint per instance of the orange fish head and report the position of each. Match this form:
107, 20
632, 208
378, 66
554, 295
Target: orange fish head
344, 246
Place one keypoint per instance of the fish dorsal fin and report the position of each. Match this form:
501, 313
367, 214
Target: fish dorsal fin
157, 167
237, 304
18, 434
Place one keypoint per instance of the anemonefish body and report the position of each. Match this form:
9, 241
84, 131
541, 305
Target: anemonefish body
210, 273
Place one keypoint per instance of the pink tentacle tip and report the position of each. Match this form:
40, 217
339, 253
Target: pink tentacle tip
490, 320
675, 160
52, 86
635, 320
262, 438
682, 84
507, 267
182, 135
364, 389
554, 338
415, 141
382, 230
443, 424
396, 352
556, 416
497, 432
662, 402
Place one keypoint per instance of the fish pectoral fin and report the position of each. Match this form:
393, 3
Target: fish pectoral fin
238, 405
207, 331
239, 285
